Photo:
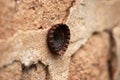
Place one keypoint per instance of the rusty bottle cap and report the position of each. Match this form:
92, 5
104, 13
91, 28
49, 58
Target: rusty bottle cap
58, 38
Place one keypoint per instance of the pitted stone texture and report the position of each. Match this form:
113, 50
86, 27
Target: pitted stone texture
28, 45
90, 61
16, 71
116, 35
107, 14
35, 72
11, 72
31, 14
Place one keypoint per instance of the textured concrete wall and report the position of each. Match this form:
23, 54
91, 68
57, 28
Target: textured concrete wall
23, 30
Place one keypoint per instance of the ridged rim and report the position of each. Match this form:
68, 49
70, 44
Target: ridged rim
62, 32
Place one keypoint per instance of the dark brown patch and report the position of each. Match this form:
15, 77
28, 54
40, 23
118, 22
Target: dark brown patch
58, 38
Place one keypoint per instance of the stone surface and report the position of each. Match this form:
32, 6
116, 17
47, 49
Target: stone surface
30, 15
17, 71
29, 46
90, 62
24, 25
116, 35
107, 14
11, 72
35, 72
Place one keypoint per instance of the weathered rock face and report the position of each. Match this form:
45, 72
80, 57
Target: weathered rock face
25, 15
107, 13
116, 35
23, 30
17, 71
91, 61
11, 72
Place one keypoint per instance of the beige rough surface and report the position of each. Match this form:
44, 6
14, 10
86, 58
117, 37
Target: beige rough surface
91, 61
35, 72
11, 72
116, 34
30, 15
107, 14
21, 39
30, 46
17, 71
